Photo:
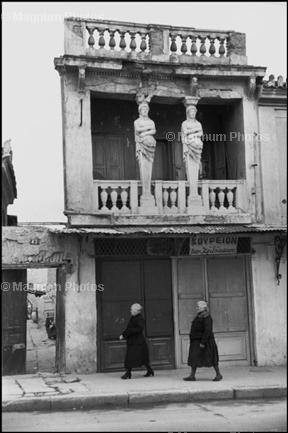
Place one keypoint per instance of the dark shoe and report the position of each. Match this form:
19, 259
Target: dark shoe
190, 378
149, 373
126, 375
218, 378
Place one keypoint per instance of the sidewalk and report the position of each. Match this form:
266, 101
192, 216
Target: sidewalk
48, 391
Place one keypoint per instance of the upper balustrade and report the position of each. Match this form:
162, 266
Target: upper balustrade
161, 43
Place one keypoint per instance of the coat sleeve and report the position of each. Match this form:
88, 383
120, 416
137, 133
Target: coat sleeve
207, 330
137, 328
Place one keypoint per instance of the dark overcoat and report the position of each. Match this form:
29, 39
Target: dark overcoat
202, 332
137, 350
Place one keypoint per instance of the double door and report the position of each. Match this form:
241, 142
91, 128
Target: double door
143, 281
222, 282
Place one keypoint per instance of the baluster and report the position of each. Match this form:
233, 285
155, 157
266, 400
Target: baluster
173, 47
143, 44
91, 40
133, 44
203, 46
184, 46
112, 41
101, 41
104, 198
122, 43
114, 196
173, 198
193, 45
212, 48
124, 198
221, 197
165, 199
221, 47
212, 197
230, 197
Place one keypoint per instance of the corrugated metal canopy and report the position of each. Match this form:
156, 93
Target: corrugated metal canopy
171, 230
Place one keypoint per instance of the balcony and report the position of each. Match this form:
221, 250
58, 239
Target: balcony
118, 202
141, 42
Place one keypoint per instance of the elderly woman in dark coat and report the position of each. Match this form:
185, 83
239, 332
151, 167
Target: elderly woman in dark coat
137, 353
203, 351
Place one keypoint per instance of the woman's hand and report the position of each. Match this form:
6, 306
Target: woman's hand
121, 337
202, 346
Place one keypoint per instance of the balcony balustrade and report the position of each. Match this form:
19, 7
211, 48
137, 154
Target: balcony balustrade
122, 197
116, 39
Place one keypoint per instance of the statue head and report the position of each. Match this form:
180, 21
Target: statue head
191, 111
143, 108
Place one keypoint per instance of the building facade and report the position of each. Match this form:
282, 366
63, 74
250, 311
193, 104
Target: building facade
152, 221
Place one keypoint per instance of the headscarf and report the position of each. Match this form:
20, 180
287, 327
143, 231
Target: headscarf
202, 304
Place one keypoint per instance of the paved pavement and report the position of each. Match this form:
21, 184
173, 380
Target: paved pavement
40, 355
48, 391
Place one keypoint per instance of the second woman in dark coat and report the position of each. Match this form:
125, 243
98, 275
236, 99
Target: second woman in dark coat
203, 351
137, 353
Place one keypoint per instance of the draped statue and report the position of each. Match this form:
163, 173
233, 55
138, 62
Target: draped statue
144, 129
191, 133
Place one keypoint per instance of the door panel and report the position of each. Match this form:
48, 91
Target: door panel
14, 322
122, 288
147, 282
190, 290
108, 157
228, 305
162, 165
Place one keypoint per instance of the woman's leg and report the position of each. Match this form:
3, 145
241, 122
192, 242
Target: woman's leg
192, 375
127, 374
150, 371
218, 374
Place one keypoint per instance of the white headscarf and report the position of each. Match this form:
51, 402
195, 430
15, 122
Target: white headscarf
202, 304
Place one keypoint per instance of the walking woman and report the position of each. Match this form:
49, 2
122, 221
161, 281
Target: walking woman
203, 351
137, 353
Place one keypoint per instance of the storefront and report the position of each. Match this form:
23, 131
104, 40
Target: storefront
168, 276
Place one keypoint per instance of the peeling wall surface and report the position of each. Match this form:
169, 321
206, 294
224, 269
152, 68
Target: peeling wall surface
270, 303
273, 133
34, 247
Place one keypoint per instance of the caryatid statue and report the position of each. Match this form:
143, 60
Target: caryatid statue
144, 129
191, 133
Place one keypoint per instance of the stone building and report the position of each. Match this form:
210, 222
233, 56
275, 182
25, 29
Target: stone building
164, 209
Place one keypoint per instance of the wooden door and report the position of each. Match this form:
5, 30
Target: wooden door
159, 311
221, 281
162, 165
127, 282
108, 157
14, 321
226, 279
122, 287
191, 288
220, 169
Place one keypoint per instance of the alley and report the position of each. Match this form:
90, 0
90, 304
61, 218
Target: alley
40, 354
254, 415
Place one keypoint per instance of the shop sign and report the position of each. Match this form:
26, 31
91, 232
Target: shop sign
213, 244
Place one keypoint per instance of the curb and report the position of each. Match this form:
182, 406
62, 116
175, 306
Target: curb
134, 399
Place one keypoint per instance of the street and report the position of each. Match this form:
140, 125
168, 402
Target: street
247, 415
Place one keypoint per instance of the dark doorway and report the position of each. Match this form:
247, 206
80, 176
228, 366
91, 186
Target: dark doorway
14, 299
147, 282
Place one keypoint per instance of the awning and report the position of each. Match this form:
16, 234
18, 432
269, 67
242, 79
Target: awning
171, 230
